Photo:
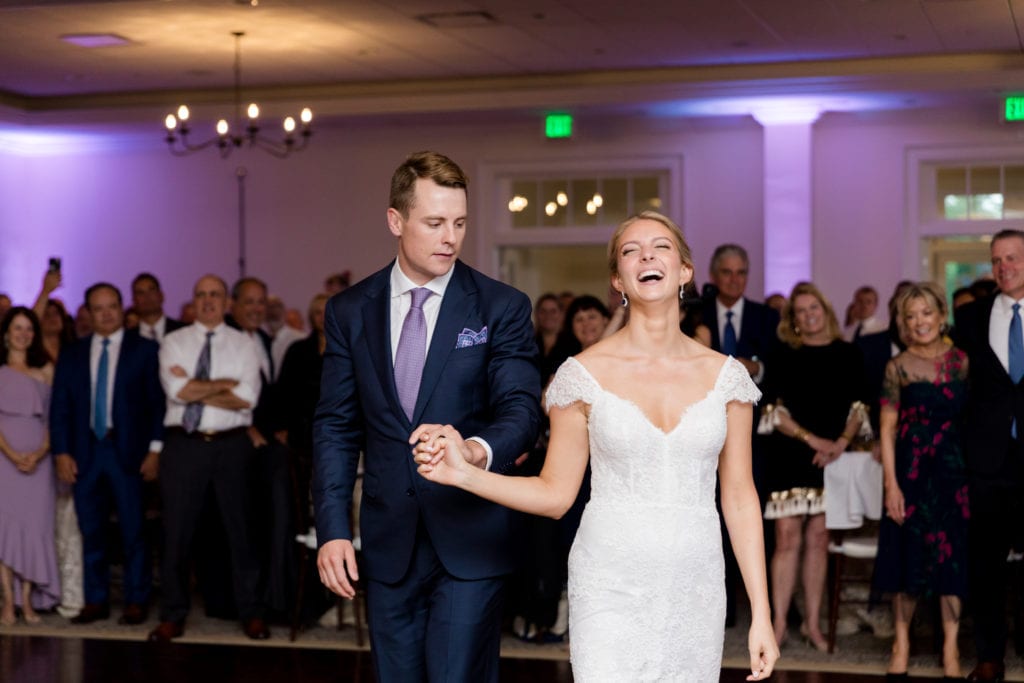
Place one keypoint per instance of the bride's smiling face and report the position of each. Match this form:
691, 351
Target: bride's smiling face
649, 264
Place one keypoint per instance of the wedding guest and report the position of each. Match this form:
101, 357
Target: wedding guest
989, 330
816, 379
5, 305
547, 321
106, 427
862, 314
28, 562
148, 301
281, 333
922, 549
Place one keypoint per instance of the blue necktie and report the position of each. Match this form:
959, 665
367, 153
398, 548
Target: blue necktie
729, 336
1016, 355
99, 413
411, 353
194, 411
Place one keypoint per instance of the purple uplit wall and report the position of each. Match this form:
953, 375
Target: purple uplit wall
787, 205
111, 210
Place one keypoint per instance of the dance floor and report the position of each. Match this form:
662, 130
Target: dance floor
38, 659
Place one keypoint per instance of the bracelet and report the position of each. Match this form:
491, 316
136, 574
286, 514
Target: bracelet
802, 434
848, 437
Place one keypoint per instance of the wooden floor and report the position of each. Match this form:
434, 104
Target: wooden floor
26, 659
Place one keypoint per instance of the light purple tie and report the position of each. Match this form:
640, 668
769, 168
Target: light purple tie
412, 351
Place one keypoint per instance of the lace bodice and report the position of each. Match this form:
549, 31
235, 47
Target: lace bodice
646, 574
634, 461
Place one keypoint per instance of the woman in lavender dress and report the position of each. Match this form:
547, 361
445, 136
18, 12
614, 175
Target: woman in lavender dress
28, 559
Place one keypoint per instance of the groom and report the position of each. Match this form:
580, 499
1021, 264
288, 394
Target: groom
426, 340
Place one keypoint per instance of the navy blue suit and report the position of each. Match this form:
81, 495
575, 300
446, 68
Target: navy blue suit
112, 463
490, 389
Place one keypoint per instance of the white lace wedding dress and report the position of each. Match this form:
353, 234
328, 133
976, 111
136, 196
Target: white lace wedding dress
646, 572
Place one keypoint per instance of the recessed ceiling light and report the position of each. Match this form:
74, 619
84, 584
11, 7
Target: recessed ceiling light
94, 39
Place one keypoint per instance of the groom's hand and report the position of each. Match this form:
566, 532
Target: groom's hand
336, 563
433, 440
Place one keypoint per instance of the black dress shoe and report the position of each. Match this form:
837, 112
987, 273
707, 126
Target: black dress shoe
166, 631
134, 614
91, 613
256, 629
988, 671
894, 678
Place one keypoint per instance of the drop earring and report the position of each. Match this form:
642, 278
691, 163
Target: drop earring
625, 301
682, 293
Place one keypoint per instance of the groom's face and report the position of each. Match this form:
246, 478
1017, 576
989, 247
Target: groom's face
430, 237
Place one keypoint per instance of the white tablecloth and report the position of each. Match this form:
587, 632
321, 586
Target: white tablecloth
853, 490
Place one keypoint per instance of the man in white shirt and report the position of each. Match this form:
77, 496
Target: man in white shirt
282, 334
148, 302
211, 376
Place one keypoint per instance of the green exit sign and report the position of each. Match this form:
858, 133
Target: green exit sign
560, 125
1013, 108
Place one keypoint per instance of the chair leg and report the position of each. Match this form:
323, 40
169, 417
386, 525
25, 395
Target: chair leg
833, 606
300, 593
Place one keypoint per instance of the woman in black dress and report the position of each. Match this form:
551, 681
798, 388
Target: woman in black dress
815, 384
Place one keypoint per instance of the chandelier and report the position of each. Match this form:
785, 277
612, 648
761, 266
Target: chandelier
231, 137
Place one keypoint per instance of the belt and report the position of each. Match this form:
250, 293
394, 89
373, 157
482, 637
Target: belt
207, 436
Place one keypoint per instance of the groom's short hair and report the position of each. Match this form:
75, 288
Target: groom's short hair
436, 167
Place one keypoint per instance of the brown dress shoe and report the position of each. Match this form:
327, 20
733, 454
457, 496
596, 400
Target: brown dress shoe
166, 631
134, 614
91, 613
988, 671
256, 628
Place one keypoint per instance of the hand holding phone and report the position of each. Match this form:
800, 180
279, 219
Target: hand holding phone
54, 264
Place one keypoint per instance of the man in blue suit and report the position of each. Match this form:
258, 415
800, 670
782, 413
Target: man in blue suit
426, 340
106, 426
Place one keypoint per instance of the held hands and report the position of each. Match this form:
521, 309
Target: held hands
442, 455
825, 450
764, 651
336, 562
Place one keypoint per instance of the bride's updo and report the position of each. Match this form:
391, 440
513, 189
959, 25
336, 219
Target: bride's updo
677, 235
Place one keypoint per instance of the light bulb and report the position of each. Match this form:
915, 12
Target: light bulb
598, 200
253, 111
171, 122
306, 115
562, 199
550, 208
183, 113
222, 127
289, 125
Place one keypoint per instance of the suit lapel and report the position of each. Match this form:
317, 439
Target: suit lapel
983, 330
377, 335
457, 302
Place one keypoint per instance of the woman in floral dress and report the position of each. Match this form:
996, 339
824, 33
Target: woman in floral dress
923, 538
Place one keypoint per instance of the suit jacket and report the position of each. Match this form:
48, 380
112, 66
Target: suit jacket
490, 389
172, 324
993, 400
758, 333
137, 405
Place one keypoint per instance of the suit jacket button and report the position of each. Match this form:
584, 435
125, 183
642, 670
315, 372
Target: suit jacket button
410, 492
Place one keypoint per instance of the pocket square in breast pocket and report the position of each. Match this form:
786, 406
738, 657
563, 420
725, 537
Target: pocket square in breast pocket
469, 338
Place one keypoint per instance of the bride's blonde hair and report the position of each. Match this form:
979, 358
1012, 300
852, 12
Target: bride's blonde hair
685, 257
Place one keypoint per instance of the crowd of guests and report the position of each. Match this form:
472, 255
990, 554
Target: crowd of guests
204, 422
222, 401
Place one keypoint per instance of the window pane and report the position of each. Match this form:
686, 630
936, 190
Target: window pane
554, 198
646, 195
523, 204
584, 210
951, 192
1013, 192
614, 198
986, 194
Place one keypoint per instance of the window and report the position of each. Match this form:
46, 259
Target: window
990, 192
583, 200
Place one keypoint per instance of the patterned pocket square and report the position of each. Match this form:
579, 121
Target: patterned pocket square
469, 338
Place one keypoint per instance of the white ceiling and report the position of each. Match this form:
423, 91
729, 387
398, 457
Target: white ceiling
385, 56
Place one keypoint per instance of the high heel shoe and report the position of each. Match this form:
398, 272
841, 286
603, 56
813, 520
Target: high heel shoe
31, 619
819, 645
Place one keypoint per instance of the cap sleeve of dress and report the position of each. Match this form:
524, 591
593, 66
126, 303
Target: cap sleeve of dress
572, 383
735, 384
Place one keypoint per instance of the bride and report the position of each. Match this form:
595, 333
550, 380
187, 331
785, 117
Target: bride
658, 415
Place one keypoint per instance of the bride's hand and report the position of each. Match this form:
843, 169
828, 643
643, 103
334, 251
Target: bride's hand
763, 651
441, 454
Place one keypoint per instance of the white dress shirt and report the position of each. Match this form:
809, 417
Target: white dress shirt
401, 302
999, 327
156, 331
737, 325
233, 355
